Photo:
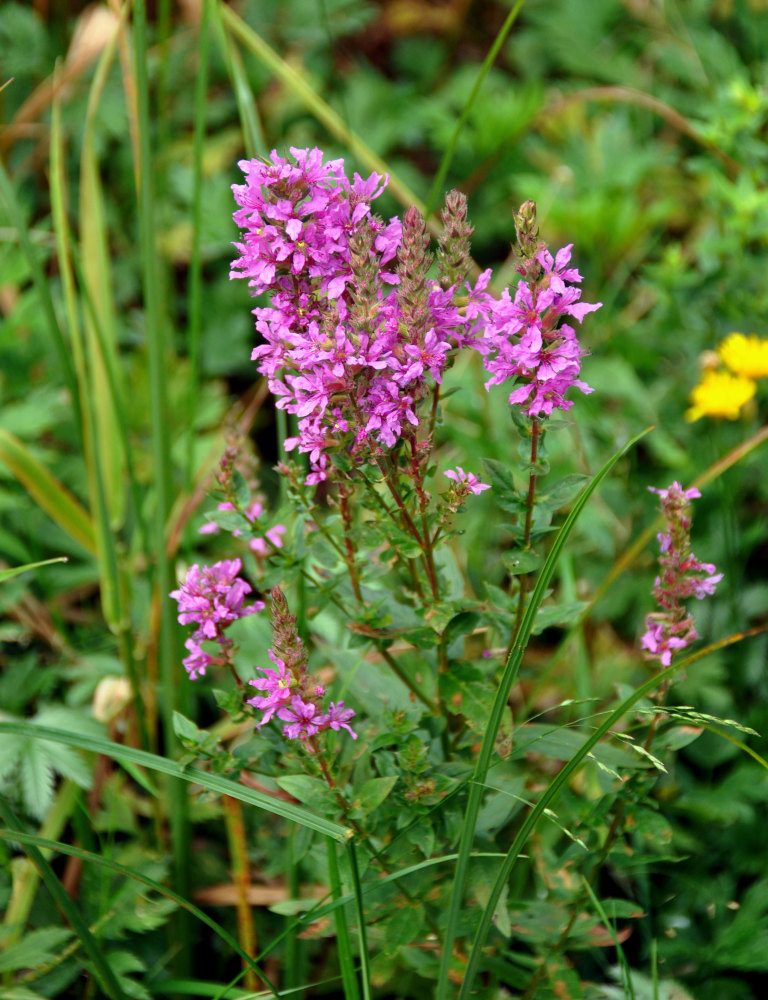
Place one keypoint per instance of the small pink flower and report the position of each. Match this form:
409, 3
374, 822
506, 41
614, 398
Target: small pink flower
337, 718
469, 481
300, 716
276, 685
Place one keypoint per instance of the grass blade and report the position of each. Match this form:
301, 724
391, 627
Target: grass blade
54, 846
357, 891
250, 123
439, 182
317, 106
195, 297
507, 680
51, 495
159, 357
346, 958
6, 574
562, 777
626, 972
66, 906
213, 782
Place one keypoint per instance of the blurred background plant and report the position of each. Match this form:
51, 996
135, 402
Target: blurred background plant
639, 128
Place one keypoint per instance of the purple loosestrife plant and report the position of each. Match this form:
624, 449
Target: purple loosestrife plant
212, 597
356, 334
681, 577
524, 338
287, 691
362, 325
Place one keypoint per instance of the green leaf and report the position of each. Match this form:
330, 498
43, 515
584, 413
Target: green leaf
465, 691
187, 731
373, 793
6, 574
35, 949
242, 489
561, 493
311, 791
47, 491
561, 615
505, 493
464, 623
521, 561
212, 782
37, 778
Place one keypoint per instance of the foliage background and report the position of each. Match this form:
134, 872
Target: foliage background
640, 130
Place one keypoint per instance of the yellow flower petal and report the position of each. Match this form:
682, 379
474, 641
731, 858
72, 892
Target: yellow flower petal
720, 394
745, 355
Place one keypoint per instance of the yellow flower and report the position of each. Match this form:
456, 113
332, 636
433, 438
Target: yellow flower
744, 355
720, 394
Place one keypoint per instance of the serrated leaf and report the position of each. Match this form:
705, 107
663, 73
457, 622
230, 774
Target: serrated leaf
37, 778
35, 949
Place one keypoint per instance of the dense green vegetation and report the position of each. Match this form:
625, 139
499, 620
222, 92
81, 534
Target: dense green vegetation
639, 128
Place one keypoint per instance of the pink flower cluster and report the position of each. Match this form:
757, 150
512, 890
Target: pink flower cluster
341, 350
523, 341
292, 698
466, 482
273, 535
212, 597
672, 629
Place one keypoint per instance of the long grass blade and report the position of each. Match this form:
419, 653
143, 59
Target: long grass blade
159, 358
195, 297
54, 846
60, 345
68, 909
51, 495
343, 943
213, 782
507, 680
562, 777
324, 113
626, 972
95, 256
362, 936
442, 172
250, 123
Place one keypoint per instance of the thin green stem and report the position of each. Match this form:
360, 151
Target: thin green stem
398, 671
523, 581
238, 854
159, 360
195, 299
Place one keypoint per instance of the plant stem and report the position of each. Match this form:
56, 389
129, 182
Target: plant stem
238, 852
350, 554
524, 579
397, 670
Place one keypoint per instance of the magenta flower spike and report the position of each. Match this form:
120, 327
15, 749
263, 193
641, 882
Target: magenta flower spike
681, 576
356, 334
212, 598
